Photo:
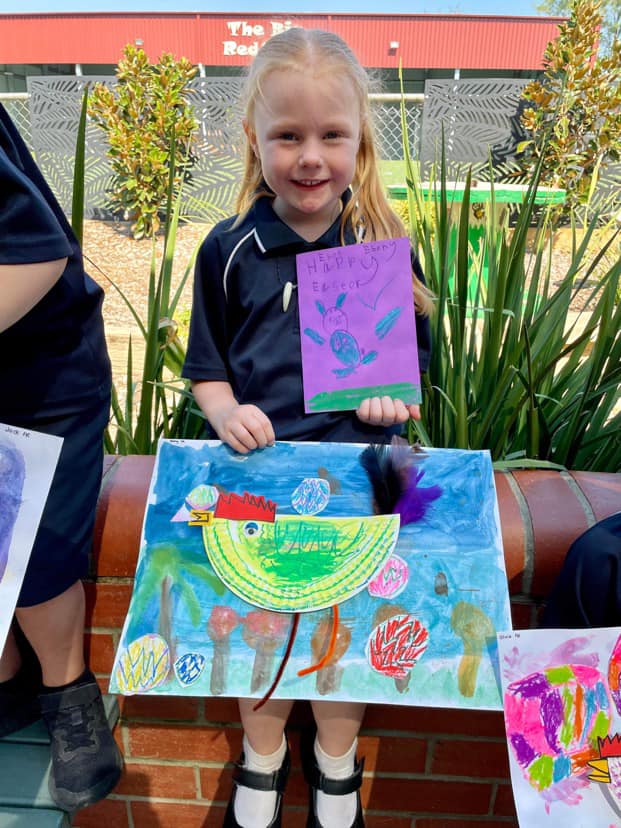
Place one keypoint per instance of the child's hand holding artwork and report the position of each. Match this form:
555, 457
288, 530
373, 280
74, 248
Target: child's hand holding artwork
385, 411
242, 427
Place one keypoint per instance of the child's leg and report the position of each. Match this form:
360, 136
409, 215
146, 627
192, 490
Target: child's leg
265, 749
86, 761
264, 728
55, 630
338, 725
11, 660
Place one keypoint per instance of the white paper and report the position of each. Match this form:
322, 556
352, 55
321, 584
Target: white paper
27, 464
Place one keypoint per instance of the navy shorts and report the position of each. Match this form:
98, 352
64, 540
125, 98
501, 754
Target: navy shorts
60, 555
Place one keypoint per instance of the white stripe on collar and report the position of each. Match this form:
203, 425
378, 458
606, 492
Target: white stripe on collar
258, 240
229, 261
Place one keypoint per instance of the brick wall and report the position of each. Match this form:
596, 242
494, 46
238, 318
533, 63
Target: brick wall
425, 768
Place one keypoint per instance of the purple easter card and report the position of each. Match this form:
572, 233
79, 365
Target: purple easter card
357, 324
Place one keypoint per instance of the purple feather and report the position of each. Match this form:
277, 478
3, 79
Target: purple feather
395, 479
413, 503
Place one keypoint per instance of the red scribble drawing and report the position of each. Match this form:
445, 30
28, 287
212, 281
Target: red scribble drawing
396, 645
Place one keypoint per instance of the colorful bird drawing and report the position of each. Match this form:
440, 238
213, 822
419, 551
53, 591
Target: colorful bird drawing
295, 563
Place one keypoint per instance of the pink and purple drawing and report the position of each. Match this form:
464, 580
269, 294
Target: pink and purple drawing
358, 326
561, 707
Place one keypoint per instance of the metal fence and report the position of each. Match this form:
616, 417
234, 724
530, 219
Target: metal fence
16, 104
47, 116
387, 117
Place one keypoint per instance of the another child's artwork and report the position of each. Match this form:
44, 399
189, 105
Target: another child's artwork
358, 325
562, 703
27, 463
247, 560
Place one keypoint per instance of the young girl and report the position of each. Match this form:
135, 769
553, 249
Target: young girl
311, 182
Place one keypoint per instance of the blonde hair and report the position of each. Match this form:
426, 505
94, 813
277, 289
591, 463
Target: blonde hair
294, 49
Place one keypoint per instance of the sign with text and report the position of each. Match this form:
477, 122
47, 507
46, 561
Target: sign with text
245, 38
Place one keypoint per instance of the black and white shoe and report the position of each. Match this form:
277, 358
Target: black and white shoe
317, 781
275, 781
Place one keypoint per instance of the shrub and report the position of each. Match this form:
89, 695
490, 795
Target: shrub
512, 370
160, 403
574, 119
145, 110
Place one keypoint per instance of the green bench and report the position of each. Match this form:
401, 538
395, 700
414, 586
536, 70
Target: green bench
25, 767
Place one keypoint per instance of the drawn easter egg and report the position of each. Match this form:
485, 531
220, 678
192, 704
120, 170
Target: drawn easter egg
202, 497
554, 719
311, 496
188, 668
391, 579
143, 664
396, 644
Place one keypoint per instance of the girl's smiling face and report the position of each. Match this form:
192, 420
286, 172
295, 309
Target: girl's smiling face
306, 135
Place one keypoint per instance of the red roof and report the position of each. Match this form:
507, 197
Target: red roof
426, 41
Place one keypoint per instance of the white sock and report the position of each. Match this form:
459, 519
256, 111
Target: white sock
255, 809
336, 811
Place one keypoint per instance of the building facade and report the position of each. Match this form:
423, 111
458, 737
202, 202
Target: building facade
425, 45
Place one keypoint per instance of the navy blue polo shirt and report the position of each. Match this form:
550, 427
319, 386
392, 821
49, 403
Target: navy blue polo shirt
239, 332
53, 361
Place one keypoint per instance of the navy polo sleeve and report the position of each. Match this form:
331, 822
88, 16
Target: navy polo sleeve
208, 341
29, 230
423, 325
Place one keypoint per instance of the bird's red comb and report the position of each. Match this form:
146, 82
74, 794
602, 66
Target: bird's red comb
610, 746
245, 507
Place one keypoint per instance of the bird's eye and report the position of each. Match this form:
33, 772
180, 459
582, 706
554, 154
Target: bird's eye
251, 529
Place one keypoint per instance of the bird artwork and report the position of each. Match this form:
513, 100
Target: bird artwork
294, 563
607, 769
303, 563
27, 466
270, 574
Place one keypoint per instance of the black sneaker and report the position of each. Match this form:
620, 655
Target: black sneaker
86, 761
19, 699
